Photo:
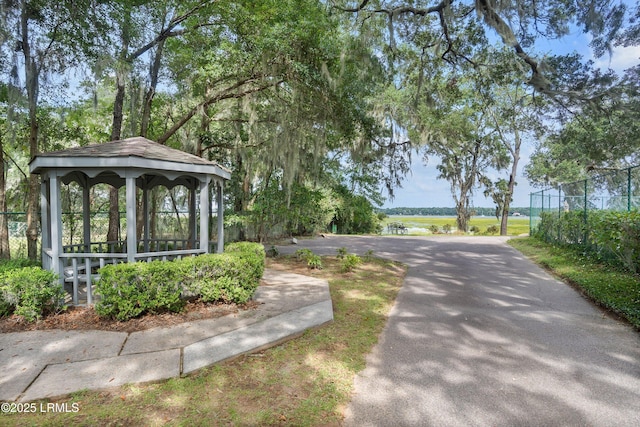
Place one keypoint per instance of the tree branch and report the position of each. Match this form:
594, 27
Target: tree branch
228, 93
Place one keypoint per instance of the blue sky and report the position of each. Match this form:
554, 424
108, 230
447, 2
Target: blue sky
422, 189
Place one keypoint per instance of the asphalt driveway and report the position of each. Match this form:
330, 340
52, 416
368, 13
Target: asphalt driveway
480, 336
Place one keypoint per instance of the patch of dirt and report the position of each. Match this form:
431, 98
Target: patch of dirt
85, 318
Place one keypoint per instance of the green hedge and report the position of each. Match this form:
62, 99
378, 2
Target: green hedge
30, 292
613, 237
129, 290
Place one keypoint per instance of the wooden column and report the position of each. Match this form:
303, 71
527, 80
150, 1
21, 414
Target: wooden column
45, 216
204, 218
145, 214
192, 215
86, 215
132, 244
220, 207
56, 225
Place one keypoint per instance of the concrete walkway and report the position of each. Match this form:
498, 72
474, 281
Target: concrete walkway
480, 336
42, 364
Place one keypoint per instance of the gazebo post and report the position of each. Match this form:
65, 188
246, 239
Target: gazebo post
145, 215
56, 225
219, 203
44, 219
86, 215
132, 244
192, 215
204, 218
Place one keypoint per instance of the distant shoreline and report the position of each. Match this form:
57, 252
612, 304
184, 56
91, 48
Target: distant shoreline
446, 211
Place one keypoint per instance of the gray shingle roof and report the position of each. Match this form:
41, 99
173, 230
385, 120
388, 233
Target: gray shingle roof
136, 147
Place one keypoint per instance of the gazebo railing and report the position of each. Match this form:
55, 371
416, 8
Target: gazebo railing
79, 266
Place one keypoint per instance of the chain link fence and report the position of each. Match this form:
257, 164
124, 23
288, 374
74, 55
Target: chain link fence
616, 190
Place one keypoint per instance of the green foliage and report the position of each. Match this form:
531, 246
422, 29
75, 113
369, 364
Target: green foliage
355, 214
447, 228
314, 262
349, 262
368, 255
612, 236
492, 229
474, 229
129, 290
304, 254
30, 292
227, 277
300, 211
434, 229
12, 264
615, 236
253, 254
609, 287
273, 252
342, 252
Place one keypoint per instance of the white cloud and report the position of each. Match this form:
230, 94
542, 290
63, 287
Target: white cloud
620, 59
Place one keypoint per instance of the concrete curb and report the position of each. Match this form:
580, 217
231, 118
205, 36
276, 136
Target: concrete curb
48, 364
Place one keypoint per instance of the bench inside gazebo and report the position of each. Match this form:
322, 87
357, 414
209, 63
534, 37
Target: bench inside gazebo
139, 165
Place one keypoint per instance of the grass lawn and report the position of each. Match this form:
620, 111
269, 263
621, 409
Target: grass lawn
304, 382
616, 290
419, 225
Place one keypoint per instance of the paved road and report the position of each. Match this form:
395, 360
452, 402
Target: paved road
480, 336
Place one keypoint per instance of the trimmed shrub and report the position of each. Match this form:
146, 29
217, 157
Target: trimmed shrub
129, 290
251, 252
30, 292
229, 277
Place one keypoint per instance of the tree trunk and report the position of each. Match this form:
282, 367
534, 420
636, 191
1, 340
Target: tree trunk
508, 197
5, 252
114, 206
31, 80
151, 91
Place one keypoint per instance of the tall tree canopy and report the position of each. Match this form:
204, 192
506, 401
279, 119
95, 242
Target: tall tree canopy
332, 94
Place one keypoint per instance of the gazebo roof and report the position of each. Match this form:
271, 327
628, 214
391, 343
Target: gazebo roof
134, 152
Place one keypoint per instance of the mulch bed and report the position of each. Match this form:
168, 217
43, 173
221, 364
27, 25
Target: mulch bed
83, 318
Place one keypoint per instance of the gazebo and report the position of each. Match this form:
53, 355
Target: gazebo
135, 163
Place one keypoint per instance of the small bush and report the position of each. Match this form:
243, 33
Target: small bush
492, 229
368, 256
474, 229
273, 252
447, 228
222, 277
30, 292
304, 254
342, 252
314, 262
434, 229
350, 262
129, 290
14, 264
